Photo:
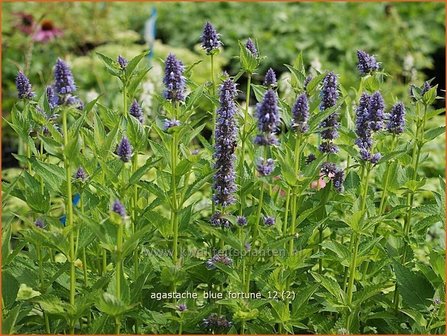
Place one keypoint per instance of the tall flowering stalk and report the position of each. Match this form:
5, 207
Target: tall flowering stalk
366, 63
25, 93
300, 116
370, 118
64, 85
211, 43
224, 185
175, 86
419, 140
267, 114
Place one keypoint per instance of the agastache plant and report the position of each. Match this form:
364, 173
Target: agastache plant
136, 111
270, 78
23, 85
250, 45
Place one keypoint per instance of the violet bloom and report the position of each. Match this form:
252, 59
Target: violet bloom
75, 102
241, 220
425, 88
251, 47
136, 111
267, 113
122, 62
167, 124
52, 97
210, 38
174, 80
300, 113
118, 208
266, 140
218, 258
366, 63
182, 307
310, 158
46, 32
218, 220
270, 78
328, 169
23, 85
329, 96
338, 179
336, 175
39, 223
269, 221
376, 111
225, 144
307, 81
396, 119
63, 78
80, 174
215, 321
124, 149
265, 166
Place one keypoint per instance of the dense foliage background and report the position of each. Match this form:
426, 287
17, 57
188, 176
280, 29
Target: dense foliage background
311, 38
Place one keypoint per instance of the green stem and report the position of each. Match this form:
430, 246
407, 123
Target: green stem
410, 199
119, 271
174, 223
70, 224
242, 152
320, 242
294, 195
356, 243
286, 214
385, 184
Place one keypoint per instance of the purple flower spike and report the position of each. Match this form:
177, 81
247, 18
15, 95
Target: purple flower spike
122, 62
338, 179
329, 96
174, 80
396, 119
270, 78
250, 45
265, 167
376, 111
39, 223
23, 85
267, 112
63, 78
269, 221
182, 307
210, 38
225, 144
217, 220
218, 258
53, 99
118, 208
136, 111
81, 175
366, 63
170, 123
300, 112
215, 321
124, 149
241, 220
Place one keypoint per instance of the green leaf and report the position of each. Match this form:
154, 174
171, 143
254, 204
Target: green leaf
433, 133
53, 175
111, 305
414, 287
111, 65
52, 305
259, 91
430, 96
133, 63
416, 317
248, 61
135, 132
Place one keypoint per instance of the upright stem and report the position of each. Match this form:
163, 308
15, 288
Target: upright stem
69, 217
242, 153
118, 273
356, 243
213, 92
135, 211
174, 198
410, 199
294, 195
385, 184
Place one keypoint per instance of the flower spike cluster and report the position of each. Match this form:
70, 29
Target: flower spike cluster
329, 96
250, 45
225, 144
270, 78
210, 38
267, 113
366, 63
174, 80
118, 208
396, 119
124, 149
300, 113
63, 78
369, 118
23, 85
136, 111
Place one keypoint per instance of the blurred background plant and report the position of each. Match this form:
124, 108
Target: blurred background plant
407, 37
